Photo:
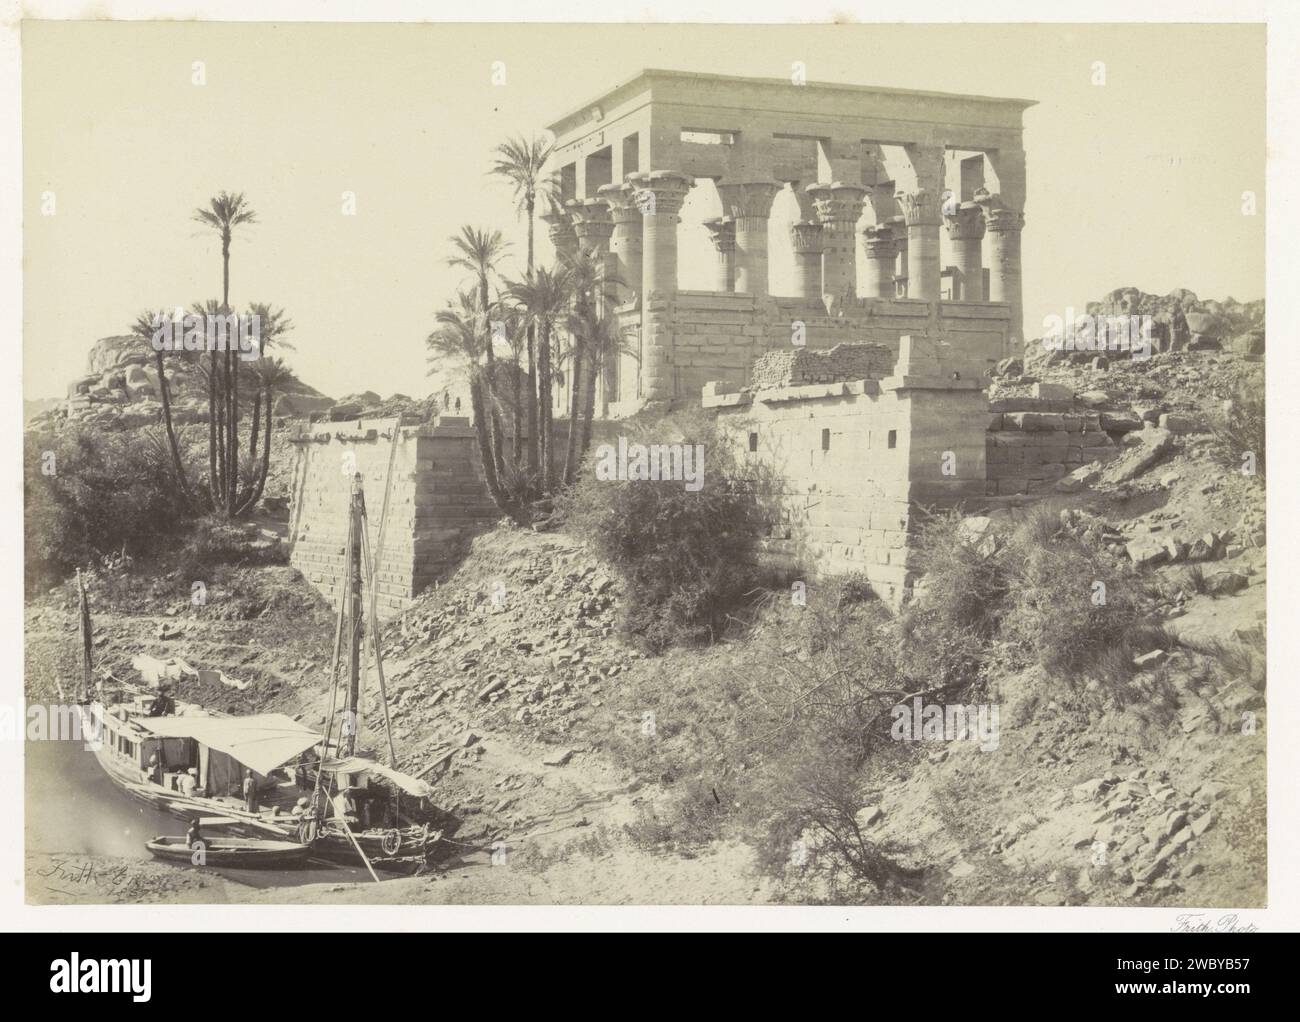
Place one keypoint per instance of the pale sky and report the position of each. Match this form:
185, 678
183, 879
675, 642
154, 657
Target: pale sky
1136, 182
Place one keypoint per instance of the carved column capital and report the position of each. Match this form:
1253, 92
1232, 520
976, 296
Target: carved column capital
722, 231
749, 200
920, 207
807, 236
660, 193
559, 227
838, 203
621, 200
966, 223
882, 241
591, 223
999, 217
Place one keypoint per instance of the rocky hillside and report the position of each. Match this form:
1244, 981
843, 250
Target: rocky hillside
119, 390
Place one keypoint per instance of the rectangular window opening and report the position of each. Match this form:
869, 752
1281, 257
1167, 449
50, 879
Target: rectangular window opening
706, 136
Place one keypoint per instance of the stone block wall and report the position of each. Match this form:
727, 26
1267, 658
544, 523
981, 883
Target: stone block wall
856, 460
437, 504
1031, 445
798, 366
717, 336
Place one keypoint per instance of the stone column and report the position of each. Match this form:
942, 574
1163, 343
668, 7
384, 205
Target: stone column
562, 234
659, 195
722, 231
808, 239
1005, 225
839, 207
625, 242
900, 243
882, 257
921, 214
966, 230
750, 205
592, 224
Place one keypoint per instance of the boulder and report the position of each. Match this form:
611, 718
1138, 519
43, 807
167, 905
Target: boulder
1182, 422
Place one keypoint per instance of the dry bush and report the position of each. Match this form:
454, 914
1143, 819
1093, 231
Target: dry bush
688, 558
1238, 427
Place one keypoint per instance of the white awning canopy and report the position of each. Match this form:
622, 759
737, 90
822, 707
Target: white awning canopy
262, 741
357, 765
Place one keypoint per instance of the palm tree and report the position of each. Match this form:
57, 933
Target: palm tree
586, 278
272, 325
144, 327
224, 213
517, 329
457, 338
269, 375
479, 251
604, 341
520, 161
544, 296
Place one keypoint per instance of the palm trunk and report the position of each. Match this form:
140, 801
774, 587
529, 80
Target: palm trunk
265, 467
232, 387
575, 400
481, 432
544, 402
533, 440
212, 429
257, 412
588, 409
172, 443
517, 433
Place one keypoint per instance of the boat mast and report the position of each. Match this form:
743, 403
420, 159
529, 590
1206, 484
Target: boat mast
87, 682
356, 515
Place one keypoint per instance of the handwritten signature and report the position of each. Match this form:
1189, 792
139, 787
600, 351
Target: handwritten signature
1201, 922
83, 873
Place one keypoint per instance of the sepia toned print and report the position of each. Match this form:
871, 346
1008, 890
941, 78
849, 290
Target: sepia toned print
644, 464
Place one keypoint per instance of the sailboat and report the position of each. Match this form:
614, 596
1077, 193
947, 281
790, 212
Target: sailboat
193, 763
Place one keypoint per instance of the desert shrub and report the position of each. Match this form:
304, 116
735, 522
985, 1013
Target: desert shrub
211, 541
692, 817
107, 491
688, 557
966, 581
1238, 427
1070, 602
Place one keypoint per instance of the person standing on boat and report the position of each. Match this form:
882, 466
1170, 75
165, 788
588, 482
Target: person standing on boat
250, 792
155, 768
193, 836
188, 782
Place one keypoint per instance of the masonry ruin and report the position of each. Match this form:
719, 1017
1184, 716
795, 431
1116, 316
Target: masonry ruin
876, 175
437, 502
864, 386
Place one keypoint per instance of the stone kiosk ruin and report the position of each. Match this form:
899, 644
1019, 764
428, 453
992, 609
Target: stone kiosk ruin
860, 376
876, 175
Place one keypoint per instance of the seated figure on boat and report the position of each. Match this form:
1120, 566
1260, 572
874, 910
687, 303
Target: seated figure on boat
163, 704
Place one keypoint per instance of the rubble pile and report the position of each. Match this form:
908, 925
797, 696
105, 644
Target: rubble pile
525, 639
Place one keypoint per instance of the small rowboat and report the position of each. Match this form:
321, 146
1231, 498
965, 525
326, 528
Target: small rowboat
239, 852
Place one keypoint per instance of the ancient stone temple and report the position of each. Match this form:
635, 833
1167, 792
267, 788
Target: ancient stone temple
909, 212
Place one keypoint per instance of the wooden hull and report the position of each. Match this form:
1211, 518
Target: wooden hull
397, 850
240, 853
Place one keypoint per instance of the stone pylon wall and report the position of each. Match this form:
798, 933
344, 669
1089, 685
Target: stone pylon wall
437, 504
854, 460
